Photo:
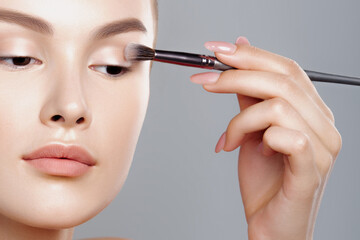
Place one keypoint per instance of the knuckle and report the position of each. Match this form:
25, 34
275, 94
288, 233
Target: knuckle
327, 111
301, 142
330, 114
292, 66
337, 140
279, 106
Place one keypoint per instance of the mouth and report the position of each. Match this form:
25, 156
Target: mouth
61, 160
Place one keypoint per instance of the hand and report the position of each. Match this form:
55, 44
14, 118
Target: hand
287, 136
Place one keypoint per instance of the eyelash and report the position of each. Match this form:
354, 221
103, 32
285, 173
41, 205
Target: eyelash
32, 61
123, 70
21, 67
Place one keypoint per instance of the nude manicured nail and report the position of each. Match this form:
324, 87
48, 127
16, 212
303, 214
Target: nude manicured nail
221, 47
205, 78
221, 143
242, 40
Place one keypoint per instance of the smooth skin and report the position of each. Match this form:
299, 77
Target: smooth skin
42, 101
287, 135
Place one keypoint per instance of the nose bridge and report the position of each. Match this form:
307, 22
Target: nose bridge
66, 105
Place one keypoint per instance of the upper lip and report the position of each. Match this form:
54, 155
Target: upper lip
69, 152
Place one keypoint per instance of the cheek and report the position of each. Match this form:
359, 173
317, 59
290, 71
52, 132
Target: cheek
117, 123
19, 127
18, 106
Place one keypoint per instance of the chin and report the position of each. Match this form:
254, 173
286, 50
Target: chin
64, 220
57, 214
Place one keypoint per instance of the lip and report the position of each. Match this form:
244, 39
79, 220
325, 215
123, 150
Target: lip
61, 160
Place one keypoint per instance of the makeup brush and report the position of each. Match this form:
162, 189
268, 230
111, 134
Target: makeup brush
138, 52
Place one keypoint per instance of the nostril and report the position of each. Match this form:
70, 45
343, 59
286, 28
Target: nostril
55, 118
80, 120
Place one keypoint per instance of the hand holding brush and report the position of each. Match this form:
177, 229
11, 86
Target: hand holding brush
287, 135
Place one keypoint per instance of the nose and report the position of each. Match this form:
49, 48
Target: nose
66, 104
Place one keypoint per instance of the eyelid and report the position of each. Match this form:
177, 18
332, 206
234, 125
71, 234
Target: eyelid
19, 45
111, 62
109, 53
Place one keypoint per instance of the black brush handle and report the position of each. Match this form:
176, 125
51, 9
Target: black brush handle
332, 78
314, 76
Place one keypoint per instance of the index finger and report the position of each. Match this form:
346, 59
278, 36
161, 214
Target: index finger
247, 57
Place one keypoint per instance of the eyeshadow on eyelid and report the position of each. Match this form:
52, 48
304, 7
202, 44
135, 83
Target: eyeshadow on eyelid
17, 46
16, 52
109, 55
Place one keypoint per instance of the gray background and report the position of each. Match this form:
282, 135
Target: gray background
178, 188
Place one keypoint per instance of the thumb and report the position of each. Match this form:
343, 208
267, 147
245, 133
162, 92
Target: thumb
242, 40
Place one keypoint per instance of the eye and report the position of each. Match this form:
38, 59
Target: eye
19, 62
111, 70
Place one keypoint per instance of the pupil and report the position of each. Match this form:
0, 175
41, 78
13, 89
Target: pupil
21, 61
113, 70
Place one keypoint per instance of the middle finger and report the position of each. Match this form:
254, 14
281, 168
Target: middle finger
267, 85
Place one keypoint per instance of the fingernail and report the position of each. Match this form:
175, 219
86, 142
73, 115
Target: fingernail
221, 47
260, 147
205, 78
221, 143
242, 40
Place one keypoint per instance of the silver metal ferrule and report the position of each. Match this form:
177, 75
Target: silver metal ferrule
221, 66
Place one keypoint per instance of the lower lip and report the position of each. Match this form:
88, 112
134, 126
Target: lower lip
60, 167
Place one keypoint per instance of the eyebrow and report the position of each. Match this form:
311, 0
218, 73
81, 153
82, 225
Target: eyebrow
25, 20
120, 26
42, 26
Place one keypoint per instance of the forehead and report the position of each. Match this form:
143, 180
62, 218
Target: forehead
79, 17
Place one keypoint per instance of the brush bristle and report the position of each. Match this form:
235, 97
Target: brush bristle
137, 52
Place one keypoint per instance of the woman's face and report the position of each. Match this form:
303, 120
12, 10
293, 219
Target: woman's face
66, 95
